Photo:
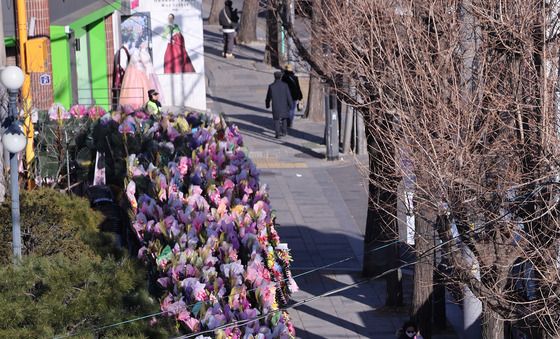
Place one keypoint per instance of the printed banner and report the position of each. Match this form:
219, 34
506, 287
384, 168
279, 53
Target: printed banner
162, 49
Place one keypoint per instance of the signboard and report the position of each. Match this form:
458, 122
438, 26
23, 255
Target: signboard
45, 79
163, 44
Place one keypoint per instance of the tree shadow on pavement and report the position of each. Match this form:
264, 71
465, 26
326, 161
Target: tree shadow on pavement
238, 104
267, 121
267, 136
333, 319
242, 52
352, 308
303, 334
218, 52
355, 310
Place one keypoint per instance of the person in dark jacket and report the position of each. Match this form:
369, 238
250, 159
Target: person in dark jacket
228, 20
292, 81
282, 103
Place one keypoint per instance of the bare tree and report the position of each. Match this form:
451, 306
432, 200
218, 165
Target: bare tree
217, 6
248, 25
423, 278
467, 88
315, 109
271, 53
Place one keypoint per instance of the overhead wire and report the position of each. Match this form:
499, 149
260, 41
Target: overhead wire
104, 327
302, 302
427, 252
334, 291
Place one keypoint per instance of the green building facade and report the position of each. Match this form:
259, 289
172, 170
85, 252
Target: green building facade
81, 50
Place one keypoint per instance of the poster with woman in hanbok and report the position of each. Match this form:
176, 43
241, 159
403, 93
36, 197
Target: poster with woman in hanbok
176, 59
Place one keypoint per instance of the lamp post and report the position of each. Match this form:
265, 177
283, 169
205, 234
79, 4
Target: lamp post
14, 141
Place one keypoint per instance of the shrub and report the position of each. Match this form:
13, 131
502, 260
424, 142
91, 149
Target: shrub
53, 223
44, 297
72, 279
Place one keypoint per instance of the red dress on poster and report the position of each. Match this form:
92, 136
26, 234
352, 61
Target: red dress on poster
134, 4
176, 59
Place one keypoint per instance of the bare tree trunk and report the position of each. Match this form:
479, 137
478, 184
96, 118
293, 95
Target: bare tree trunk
271, 55
423, 278
381, 228
315, 110
472, 307
248, 25
217, 6
438, 301
493, 326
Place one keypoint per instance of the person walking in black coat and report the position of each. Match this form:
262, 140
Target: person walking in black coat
228, 20
292, 81
282, 103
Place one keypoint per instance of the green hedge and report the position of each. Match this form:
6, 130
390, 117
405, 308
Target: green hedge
52, 223
72, 278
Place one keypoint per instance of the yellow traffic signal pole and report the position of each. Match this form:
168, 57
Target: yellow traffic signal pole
26, 88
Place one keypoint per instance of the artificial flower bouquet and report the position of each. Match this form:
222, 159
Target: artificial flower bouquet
207, 230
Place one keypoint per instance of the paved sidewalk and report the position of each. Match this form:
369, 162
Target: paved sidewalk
320, 205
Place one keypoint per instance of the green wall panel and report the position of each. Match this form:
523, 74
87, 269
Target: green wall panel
98, 61
82, 72
62, 81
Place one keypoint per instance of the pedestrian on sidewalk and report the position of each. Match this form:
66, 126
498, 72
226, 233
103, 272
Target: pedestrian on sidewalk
409, 330
282, 103
292, 81
153, 106
228, 20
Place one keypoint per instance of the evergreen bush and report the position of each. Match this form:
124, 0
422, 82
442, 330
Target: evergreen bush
52, 223
72, 279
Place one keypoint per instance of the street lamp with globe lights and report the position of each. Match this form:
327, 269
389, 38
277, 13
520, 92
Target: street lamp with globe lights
14, 141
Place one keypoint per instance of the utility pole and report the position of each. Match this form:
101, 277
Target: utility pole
2, 46
21, 9
283, 16
3, 94
21, 12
